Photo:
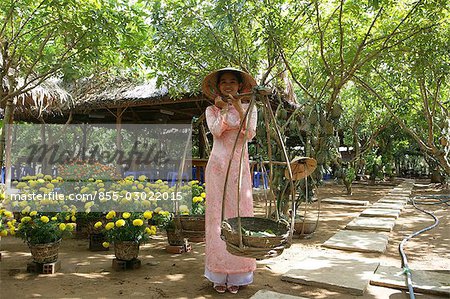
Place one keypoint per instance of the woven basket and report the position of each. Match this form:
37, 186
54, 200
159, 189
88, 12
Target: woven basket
309, 227
175, 237
45, 253
193, 226
126, 250
259, 247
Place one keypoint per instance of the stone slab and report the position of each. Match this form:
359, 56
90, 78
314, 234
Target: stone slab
338, 274
397, 197
358, 241
343, 201
424, 281
394, 201
374, 212
385, 205
266, 294
372, 223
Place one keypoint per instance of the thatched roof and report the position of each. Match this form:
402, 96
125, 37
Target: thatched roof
90, 94
96, 100
49, 98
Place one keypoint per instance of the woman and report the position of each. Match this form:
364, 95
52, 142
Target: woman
227, 271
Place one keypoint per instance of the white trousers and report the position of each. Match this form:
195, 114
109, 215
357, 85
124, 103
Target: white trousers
238, 279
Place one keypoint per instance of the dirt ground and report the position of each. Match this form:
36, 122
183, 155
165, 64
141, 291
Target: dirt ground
86, 274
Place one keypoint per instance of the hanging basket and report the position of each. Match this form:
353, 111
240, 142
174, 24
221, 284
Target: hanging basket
304, 228
45, 253
126, 250
193, 226
255, 245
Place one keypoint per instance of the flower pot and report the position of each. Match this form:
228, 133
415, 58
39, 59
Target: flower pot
193, 226
45, 253
307, 227
175, 237
126, 250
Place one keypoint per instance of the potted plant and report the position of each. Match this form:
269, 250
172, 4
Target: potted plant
193, 221
126, 231
43, 233
165, 220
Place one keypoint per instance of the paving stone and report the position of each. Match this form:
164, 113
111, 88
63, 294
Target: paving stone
385, 205
343, 201
398, 197
424, 281
372, 223
358, 241
266, 294
339, 274
394, 201
374, 212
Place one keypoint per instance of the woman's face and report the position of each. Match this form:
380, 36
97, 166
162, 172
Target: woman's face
229, 84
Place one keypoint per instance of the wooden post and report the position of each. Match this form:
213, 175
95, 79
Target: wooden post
119, 136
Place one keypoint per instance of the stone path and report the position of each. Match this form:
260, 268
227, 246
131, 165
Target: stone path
366, 233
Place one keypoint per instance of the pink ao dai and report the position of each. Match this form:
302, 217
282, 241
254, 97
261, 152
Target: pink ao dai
224, 129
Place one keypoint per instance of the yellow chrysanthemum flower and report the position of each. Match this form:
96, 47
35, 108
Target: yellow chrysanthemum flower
120, 223
110, 215
25, 219
8, 214
203, 195
33, 213
12, 231
158, 209
45, 219
3, 233
54, 218
109, 225
105, 244
98, 224
73, 218
70, 227
126, 215
62, 226
148, 214
138, 222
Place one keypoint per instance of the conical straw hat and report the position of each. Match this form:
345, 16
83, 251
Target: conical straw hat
209, 85
301, 167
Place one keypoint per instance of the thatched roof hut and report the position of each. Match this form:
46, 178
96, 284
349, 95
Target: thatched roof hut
106, 101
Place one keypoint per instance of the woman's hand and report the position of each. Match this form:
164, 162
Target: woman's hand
219, 103
238, 105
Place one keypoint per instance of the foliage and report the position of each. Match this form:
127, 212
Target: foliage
82, 170
7, 222
41, 228
126, 226
198, 199
163, 219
